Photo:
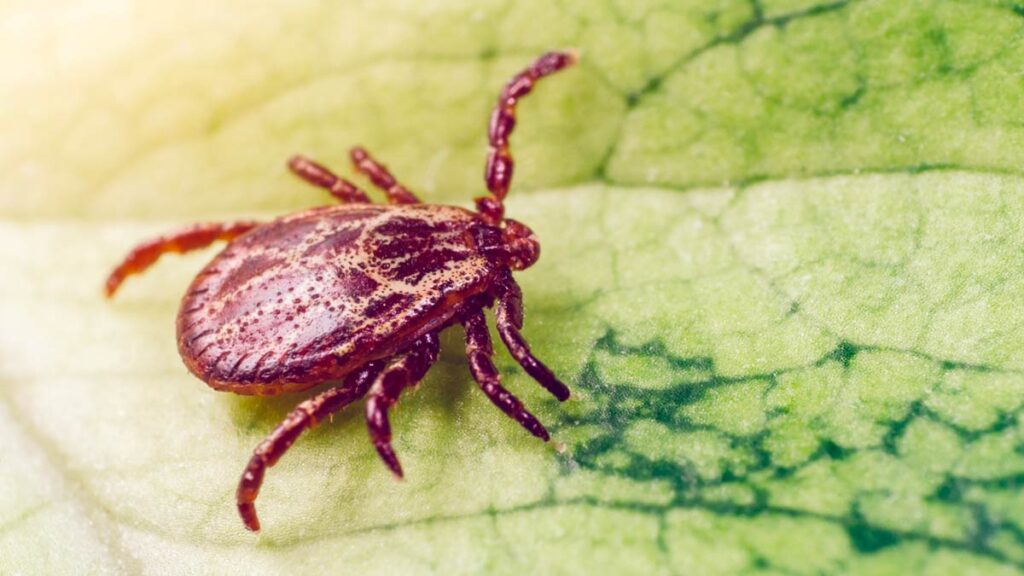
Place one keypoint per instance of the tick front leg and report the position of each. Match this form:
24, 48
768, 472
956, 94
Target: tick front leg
498, 172
320, 176
406, 370
509, 319
381, 178
305, 415
192, 238
479, 353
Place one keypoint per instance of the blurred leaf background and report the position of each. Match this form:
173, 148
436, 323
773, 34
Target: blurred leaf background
781, 271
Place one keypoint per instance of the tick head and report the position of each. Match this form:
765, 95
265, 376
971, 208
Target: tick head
511, 244
521, 243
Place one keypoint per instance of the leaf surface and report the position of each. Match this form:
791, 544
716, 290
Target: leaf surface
780, 271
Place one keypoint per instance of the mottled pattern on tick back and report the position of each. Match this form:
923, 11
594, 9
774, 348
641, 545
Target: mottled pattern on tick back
308, 297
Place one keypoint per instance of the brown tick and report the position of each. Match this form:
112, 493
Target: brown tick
358, 291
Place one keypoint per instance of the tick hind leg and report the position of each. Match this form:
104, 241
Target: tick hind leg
479, 353
320, 176
406, 370
192, 238
381, 178
305, 415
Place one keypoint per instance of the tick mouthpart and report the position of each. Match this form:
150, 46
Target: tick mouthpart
513, 244
522, 244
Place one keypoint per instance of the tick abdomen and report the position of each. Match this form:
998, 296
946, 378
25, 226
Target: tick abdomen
311, 296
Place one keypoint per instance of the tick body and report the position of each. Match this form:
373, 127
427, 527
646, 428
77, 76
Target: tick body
358, 293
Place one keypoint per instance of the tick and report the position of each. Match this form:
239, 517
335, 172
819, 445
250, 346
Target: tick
358, 293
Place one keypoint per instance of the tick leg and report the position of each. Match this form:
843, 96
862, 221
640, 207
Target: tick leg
192, 238
479, 352
509, 319
318, 175
381, 178
406, 370
498, 172
305, 415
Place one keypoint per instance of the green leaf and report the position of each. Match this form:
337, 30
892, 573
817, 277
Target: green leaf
781, 272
